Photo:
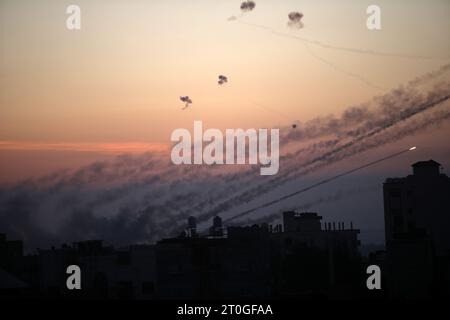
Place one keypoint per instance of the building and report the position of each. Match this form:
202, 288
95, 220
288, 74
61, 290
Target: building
125, 273
215, 265
12, 269
11, 253
308, 258
259, 261
417, 224
320, 257
306, 227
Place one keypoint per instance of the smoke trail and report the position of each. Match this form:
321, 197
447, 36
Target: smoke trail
388, 109
429, 76
259, 191
142, 198
315, 56
388, 113
267, 204
269, 218
343, 48
408, 113
330, 157
348, 73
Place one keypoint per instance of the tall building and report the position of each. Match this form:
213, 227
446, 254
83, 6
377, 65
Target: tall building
417, 225
419, 203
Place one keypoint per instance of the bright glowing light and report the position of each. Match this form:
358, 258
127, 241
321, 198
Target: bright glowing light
412, 148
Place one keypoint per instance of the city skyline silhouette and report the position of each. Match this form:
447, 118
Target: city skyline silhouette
303, 257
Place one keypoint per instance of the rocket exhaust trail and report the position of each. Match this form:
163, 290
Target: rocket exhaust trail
267, 204
285, 177
326, 45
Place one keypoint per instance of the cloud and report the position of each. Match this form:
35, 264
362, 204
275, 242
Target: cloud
107, 148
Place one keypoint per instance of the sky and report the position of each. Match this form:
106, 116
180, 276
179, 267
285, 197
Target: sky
72, 98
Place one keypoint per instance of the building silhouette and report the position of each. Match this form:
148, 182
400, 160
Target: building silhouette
417, 225
11, 258
303, 257
124, 273
260, 261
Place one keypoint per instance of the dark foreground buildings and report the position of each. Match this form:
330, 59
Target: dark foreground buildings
417, 228
301, 258
106, 272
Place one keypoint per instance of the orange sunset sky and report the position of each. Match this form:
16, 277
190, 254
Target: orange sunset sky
73, 97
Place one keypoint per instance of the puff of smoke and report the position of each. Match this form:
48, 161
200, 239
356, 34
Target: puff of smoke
247, 6
295, 20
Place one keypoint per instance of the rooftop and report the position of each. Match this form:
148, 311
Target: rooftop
429, 163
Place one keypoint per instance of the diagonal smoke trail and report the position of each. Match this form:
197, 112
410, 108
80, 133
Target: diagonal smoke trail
147, 205
439, 116
267, 204
342, 48
326, 158
405, 116
268, 218
315, 56
306, 42
236, 182
135, 199
313, 129
339, 69
163, 190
